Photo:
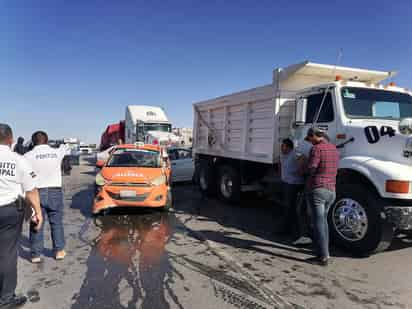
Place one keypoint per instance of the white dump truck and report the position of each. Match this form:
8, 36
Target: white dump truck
148, 124
237, 144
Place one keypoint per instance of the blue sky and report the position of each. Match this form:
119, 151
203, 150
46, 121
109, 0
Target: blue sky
71, 67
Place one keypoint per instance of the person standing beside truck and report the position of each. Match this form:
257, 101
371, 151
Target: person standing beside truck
17, 179
292, 184
322, 171
302, 234
46, 162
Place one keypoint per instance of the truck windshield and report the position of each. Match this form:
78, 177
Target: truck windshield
164, 127
376, 103
134, 158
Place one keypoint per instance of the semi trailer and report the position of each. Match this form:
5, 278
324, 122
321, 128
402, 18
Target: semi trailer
237, 144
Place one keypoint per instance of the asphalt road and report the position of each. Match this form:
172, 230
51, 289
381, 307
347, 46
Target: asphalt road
202, 254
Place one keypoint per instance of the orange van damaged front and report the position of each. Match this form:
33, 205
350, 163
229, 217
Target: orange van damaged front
133, 186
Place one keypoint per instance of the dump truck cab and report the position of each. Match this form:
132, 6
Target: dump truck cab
370, 124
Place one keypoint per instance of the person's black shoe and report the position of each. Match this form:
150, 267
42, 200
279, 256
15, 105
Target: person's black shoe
15, 302
322, 261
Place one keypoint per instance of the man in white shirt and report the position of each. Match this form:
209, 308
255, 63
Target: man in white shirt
292, 184
17, 183
46, 162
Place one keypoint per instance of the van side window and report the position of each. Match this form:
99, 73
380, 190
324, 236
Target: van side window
314, 101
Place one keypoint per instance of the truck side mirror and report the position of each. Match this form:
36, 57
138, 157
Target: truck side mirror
301, 105
99, 163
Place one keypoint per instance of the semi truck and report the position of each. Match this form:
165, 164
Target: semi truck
150, 125
237, 144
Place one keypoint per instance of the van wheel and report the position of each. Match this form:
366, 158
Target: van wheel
356, 222
206, 179
229, 184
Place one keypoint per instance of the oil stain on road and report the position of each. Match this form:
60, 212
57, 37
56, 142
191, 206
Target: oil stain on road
149, 260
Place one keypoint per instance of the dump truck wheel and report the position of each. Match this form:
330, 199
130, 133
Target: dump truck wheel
356, 223
206, 179
229, 184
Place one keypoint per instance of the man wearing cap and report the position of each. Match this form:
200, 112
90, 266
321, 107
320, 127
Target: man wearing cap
322, 170
17, 187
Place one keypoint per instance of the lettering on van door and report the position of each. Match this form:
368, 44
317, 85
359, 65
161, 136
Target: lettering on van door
373, 134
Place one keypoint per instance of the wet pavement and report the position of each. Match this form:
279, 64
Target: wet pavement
144, 259
203, 254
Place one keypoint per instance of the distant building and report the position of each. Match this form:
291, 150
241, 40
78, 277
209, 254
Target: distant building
185, 135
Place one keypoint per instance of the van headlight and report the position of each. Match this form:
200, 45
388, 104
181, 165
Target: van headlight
158, 181
100, 181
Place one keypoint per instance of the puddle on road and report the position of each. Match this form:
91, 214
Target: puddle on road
133, 264
128, 254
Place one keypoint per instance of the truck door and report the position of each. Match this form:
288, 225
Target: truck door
326, 116
140, 132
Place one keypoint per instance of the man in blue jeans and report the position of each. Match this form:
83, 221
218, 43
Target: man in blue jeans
322, 170
46, 162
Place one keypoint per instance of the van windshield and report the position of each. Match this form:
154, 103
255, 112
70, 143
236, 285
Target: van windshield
376, 103
134, 158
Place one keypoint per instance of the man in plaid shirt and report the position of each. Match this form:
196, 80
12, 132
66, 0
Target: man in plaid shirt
322, 170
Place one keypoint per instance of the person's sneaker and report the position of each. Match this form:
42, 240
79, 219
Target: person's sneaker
36, 259
60, 255
302, 241
15, 302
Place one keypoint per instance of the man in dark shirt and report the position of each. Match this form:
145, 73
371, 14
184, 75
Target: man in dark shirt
322, 170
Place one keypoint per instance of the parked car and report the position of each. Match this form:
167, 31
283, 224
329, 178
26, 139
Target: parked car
133, 176
85, 149
182, 164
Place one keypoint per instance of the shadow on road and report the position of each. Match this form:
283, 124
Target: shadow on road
129, 264
83, 201
254, 216
25, 251
91, 173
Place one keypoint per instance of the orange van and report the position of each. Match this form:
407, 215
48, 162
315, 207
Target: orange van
133, 176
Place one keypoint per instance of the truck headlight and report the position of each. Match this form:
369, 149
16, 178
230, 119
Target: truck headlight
100, 181
158, 181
